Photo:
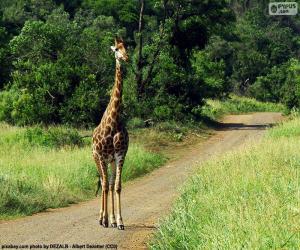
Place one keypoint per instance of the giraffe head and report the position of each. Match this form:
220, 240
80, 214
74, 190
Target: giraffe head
119, 49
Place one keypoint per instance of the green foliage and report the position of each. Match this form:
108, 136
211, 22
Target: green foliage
135, 123
268, 88
280, 85
124, 11
173, 88
4, 55
291, 88
17, 12
214, 109
264, 42
290, 129
245, 199
211, 73
52, 137
57, 66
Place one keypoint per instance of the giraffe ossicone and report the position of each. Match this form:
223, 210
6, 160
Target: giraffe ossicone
110, 145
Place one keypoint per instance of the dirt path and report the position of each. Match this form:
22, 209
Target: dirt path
145, 200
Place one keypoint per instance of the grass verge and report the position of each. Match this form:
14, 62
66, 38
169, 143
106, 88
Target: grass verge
214, 109
246, 199
49, 168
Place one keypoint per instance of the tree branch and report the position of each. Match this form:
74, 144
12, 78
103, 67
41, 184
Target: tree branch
149, 76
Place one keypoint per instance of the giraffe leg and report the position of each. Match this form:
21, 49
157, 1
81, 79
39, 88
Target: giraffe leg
101, 209
112, 194
118, 195
98, 164
104, 221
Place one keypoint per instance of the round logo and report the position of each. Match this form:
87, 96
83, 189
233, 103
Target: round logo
273, 8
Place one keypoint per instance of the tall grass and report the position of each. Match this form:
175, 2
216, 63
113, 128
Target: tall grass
247, 199
52, 137
53, 168
288, 129
214, 109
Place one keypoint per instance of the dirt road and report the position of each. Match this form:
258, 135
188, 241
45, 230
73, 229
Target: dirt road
145, 200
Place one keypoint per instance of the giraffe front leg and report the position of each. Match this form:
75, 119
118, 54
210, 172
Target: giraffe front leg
113, 222
104, 218
118, 195
101, 208
99, 168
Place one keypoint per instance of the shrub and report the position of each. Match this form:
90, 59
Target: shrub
52, 137
135, 123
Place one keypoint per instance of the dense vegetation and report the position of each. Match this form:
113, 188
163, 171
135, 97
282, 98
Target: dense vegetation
246, 199
56, 65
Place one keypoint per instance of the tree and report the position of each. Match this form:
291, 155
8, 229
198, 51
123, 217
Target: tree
61, 73
263, 43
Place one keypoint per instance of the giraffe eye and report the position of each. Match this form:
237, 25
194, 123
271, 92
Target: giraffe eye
116, 49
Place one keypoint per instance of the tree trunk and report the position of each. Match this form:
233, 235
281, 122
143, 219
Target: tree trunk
139, 73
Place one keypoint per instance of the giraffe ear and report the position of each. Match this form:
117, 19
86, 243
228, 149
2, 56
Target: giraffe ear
118, 40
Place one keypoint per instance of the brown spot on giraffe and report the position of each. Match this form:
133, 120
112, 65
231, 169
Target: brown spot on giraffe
110, 144
114, 114
109, 120
107, 130
118, 95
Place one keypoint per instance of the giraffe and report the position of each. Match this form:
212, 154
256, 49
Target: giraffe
110, 144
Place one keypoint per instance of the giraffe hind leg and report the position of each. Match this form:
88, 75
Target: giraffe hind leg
118, 187
121, 146
113, 222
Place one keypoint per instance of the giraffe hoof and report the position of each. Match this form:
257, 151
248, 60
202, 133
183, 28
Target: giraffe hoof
104, 223
121, 227
100, 222
113, 224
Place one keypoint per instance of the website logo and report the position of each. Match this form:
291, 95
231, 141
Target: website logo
283, 8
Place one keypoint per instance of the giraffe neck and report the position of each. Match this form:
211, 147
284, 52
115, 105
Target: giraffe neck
116, 95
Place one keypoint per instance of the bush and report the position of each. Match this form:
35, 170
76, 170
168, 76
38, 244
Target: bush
291, 89
268, 88
135, 123
162, 113
282, 84
55, 137
52, 137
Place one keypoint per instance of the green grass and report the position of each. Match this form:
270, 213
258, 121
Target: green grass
288, 129
247, 199
51, 137
215, 109
49, 168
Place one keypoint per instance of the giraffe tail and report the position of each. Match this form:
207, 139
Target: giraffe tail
98, 186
